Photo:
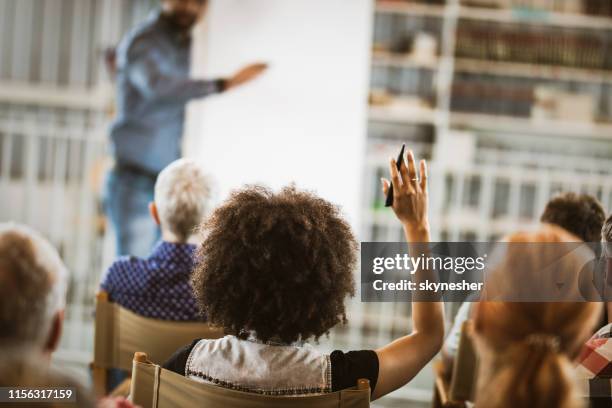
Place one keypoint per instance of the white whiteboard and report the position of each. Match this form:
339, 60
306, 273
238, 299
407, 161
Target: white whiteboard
305, 120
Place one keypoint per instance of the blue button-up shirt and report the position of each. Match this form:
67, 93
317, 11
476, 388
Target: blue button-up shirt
153, 88
157, 287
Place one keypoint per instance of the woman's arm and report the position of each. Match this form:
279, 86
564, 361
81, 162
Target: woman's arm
402, 359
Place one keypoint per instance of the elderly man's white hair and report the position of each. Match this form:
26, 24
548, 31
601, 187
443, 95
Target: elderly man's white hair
182, 192
33, 281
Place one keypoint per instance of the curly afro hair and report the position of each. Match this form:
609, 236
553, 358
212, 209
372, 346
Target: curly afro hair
580, 214
277, 265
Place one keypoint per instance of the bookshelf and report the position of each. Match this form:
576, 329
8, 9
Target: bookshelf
411, 9
506, 68
509, 124
472, 75
535, 16
527, 70
503, 129
523, 15
480, 112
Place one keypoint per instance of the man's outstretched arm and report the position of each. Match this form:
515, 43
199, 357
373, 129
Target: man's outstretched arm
144, 72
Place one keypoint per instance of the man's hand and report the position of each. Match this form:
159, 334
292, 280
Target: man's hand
410, 196
245, 75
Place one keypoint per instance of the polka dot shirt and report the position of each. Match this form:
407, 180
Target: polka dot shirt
156, 287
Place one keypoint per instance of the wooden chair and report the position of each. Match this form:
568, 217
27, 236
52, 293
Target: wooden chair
460, 389
155, 387
119, 333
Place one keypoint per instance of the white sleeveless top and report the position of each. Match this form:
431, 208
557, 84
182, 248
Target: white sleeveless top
252, 366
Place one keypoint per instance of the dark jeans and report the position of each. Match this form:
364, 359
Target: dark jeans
126, 199
127, 195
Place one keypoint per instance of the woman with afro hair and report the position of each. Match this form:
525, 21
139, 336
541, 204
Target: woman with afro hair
274, 270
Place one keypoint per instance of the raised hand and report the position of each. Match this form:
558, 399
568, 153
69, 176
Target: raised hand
401, 360
410, 195
245, 75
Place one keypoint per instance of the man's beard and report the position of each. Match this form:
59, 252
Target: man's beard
181, 22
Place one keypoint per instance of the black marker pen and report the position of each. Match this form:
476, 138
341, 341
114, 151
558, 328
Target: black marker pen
398, 163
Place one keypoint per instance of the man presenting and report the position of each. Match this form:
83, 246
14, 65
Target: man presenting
153, 89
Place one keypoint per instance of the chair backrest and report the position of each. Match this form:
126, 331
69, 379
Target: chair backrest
463, 380
119, 333
461, 387
155, 387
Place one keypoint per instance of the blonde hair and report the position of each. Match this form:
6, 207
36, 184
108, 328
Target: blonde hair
182, 192
526, 348
33, 282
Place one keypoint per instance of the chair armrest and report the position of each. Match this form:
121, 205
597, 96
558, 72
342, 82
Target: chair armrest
441, 383
99, 380
141, 357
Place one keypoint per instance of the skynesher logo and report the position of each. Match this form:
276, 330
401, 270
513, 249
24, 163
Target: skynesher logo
428, 286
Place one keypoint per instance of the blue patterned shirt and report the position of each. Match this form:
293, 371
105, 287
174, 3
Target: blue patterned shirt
158, 286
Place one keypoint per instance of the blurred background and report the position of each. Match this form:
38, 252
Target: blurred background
509, 100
